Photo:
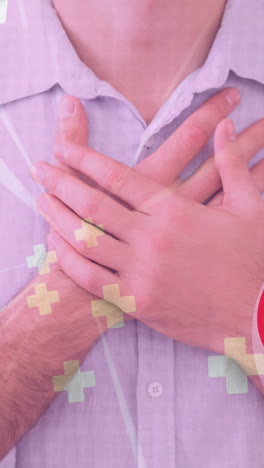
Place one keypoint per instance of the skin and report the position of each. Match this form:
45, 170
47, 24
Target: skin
139, 244
144, 48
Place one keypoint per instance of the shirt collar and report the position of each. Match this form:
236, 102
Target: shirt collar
238, 46
37, 52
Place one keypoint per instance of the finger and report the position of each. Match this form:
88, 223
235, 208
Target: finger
239, 190
206, 180
117, 178
257, 174
89, 240
84, 200
188, 140
72, 125
82, 271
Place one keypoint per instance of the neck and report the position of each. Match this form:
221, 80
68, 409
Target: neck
144, 48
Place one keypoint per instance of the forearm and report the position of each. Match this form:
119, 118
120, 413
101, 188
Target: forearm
33, 348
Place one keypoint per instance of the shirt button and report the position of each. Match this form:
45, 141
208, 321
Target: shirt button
155, 389
149, 141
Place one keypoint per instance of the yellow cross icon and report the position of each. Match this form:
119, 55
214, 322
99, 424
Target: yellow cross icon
43, 299
41, 258
111, 304
89, 233
235, 348
73, 381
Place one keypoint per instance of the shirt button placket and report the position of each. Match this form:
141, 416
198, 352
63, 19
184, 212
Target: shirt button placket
155, 399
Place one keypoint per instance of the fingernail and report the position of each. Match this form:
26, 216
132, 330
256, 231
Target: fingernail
43, 202
37, 172
58, 151
67, 107
230, 130
232, 96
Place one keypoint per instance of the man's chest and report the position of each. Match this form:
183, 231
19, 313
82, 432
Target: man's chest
27, 132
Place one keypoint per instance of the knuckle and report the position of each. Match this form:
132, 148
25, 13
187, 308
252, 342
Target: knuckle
93, 207
234, 157
229, 157
87, 208
53, 184
158, 241
87, 279
81, 155
192, 134
113, 177
66, 132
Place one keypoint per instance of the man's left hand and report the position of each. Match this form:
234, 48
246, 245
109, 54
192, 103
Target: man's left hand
164, 249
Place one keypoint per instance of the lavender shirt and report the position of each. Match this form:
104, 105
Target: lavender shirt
155, 403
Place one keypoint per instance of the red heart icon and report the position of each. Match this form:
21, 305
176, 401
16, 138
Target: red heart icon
261, 318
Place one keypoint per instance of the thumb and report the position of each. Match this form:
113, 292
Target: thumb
73, 128
240, 192
72, 125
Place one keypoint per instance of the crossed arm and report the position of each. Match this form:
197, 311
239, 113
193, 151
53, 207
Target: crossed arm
33, 349
35, 346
